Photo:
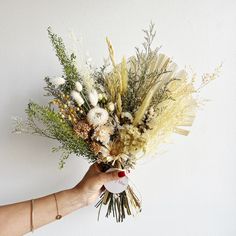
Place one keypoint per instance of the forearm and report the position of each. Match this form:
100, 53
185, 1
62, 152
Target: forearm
15, 219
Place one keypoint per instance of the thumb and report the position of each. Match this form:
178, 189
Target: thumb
113, 175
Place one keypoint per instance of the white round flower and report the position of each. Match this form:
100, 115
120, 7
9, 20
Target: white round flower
93, 97
77, 97
57, 81
97, 116
78, 86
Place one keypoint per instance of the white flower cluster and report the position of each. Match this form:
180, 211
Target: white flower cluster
75, 94
92, 95
57, 81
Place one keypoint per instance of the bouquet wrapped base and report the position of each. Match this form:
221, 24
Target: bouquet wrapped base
119, 204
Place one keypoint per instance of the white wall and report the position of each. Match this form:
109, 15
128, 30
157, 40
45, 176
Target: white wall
188, 191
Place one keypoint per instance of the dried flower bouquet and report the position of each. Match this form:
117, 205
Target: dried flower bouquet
117, 114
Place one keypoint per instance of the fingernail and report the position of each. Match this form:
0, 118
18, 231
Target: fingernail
121, 174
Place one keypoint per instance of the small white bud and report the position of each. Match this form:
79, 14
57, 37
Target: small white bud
77, 97
78, 86
111, 106
93, 97
100, 96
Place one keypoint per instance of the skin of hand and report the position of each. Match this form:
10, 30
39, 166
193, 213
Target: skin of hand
15, 218
91, 186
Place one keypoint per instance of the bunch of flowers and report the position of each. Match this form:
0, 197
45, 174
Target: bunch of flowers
116, 114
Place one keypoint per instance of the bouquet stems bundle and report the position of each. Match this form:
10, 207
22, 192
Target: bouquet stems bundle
116, 114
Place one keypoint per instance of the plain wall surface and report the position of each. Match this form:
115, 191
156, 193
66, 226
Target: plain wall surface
189, 190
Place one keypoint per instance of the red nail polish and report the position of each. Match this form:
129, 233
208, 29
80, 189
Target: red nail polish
121, 174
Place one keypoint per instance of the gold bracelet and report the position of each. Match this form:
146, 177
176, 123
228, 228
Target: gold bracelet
58, 216
32, 216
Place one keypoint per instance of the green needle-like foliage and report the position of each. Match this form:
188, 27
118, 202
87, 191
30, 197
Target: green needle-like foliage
67, 61
46, 122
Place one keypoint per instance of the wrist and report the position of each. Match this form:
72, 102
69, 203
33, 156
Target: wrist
69, 200
76, 196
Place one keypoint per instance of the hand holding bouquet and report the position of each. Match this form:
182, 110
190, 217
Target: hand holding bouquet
117, 114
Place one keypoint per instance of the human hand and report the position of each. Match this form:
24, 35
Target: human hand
46, 209
91, 186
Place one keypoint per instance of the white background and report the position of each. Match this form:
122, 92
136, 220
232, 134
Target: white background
189, 190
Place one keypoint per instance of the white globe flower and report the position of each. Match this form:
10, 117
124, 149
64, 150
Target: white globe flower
97, 116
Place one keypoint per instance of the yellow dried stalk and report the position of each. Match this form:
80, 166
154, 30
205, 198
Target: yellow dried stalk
111, 52
111, 87
144, 106
119, 105
124, 76
175, 113
181, 131
118, 80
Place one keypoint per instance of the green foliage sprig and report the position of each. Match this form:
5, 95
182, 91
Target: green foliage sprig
68, 62
45, 122
143, 73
